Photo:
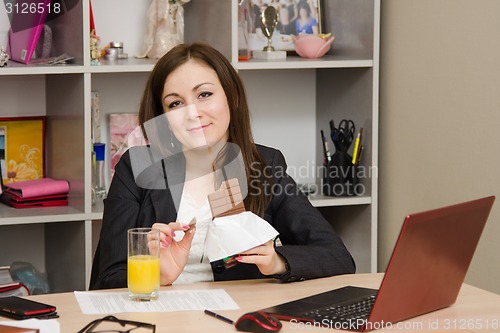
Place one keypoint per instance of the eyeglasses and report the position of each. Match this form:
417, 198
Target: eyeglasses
108, 324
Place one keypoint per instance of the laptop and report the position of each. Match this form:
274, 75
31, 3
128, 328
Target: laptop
426, 270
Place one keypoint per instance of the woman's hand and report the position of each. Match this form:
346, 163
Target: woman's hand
265, 257
173, 254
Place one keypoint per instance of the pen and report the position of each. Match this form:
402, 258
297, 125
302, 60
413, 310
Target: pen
218, 316
360, 156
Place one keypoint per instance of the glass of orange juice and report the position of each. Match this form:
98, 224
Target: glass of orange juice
143, 264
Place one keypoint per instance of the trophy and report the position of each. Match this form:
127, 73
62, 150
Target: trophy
268, 21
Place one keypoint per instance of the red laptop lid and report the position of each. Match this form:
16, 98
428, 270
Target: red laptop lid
430, 261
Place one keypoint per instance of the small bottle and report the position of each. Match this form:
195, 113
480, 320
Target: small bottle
245, 24
99, 174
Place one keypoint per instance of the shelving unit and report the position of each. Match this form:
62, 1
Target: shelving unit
291, 101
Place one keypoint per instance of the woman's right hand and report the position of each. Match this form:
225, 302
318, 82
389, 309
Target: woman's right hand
173, 254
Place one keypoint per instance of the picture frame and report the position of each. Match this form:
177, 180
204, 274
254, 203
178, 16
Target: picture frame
120, 127
23, 148
290, 12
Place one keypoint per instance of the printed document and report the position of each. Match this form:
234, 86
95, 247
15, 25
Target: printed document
95, 302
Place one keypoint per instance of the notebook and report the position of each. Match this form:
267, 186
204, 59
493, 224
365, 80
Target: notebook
26, 27
426, 270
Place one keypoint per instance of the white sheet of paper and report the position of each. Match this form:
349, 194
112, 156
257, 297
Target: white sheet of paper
230, 235
95, 302
44, 325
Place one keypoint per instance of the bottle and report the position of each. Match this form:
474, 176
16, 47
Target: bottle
245, 25
99, 171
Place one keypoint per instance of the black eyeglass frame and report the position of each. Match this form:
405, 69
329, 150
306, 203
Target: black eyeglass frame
90, 326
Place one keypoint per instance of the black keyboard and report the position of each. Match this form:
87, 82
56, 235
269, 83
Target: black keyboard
346, 312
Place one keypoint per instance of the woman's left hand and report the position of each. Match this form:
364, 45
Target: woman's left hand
265, 258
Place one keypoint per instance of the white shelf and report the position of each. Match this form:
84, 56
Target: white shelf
325, 201
124, 66
14, 68
294, 62
13, 216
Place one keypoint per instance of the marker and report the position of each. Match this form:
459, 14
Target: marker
355, 151
218, 316
356, 155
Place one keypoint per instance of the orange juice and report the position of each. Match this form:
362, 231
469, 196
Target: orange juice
143, 274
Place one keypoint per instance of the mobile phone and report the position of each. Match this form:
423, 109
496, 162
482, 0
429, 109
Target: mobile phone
22, 308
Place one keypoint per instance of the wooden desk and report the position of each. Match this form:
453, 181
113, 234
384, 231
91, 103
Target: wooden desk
476, 310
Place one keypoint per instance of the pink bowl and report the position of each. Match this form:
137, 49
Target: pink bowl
312, 46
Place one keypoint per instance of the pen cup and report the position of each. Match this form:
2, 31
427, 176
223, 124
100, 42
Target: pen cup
143, 264
341, 176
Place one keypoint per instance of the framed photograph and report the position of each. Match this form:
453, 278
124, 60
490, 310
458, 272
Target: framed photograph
294, 17
120, 127
23, 153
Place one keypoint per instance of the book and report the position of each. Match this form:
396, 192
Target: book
37, 188
14, 329
42, 201
9, 287
13, 289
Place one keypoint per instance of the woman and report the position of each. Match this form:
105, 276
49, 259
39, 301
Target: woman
288, 15
306, 23
196, 102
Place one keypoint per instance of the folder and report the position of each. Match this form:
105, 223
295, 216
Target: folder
43, 201
37, 188
25, 32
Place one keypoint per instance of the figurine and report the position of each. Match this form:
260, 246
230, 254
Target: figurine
4, 57
95, 53
165, 27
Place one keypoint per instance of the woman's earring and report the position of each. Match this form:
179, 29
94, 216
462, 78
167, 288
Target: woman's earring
172, 139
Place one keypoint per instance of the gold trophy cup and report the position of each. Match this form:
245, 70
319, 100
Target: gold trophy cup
268, 21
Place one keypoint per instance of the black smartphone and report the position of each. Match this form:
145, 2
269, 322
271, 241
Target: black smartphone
22, 308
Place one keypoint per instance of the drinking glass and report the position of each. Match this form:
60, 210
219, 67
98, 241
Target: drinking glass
143, 264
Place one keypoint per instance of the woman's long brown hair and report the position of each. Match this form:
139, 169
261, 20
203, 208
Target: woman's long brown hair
239, 127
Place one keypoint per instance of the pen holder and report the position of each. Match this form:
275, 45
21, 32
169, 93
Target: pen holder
340, 177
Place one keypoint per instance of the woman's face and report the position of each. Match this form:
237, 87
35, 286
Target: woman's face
303, 13
196, 105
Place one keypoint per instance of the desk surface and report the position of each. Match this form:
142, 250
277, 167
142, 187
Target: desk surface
476, 310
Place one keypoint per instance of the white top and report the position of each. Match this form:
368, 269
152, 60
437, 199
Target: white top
198, 267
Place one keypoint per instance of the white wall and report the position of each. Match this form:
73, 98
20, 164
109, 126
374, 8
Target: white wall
4, 27
439, 117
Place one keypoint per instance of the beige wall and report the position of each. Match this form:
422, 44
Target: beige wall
440, 117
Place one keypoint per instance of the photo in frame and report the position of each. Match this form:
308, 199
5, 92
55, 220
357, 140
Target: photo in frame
295, 17
23, 148
120, 127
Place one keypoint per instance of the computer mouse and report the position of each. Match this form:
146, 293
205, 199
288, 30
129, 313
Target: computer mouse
258, 322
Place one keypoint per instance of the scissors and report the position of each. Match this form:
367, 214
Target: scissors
343, 135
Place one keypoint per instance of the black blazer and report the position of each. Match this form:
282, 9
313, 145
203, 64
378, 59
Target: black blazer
310, 245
